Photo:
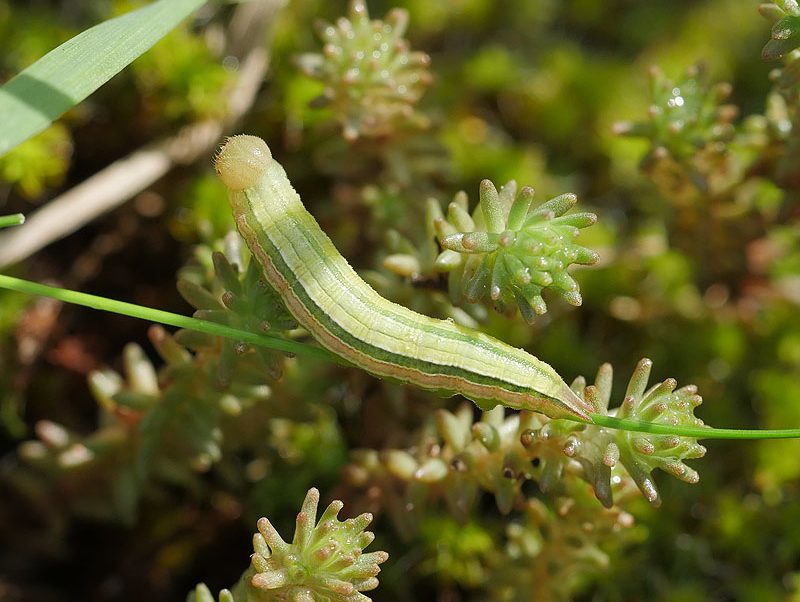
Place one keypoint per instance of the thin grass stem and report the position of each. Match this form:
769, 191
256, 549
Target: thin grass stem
15, 219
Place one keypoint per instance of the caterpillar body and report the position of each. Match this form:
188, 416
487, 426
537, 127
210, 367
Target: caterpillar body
349, 318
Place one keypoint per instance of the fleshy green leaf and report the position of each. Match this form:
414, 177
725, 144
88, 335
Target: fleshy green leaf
506, 253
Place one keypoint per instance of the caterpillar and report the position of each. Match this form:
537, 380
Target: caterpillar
349, 318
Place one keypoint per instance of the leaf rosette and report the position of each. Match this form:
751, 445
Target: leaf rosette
506, 253
372, 78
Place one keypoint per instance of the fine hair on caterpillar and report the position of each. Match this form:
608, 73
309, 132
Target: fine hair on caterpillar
241, 161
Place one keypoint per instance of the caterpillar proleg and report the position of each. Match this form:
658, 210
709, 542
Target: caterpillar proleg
346, 316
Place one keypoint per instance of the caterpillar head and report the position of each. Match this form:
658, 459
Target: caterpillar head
241, 161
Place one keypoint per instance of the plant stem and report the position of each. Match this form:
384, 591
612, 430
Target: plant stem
15, 219
700, 432
281, 344
162, 317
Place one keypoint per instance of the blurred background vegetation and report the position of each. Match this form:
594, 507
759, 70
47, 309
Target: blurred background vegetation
699, 244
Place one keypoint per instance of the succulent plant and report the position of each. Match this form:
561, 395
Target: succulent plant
684, 116
38, 163
781, 113
372, 79
599, 450
639, 453
242, 300
499, 453
324, 562
174, 416
556, 547
506, 253
785, 34
692, 134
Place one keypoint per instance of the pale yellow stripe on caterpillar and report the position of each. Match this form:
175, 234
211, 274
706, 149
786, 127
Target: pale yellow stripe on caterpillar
333, 288
371, 364
350, 319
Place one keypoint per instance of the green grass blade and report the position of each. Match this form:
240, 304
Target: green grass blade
62, 78
15, 219
699, 432
162, 317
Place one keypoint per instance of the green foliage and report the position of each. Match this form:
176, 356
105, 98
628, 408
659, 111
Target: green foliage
506, 253
498, 454
324, 561
233, 298
39, 162
599, 451
68, 74
170, 424
782, 110
205, 216
180, 79
785, 34
558, 548
28, 36
372, 79
685, 115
